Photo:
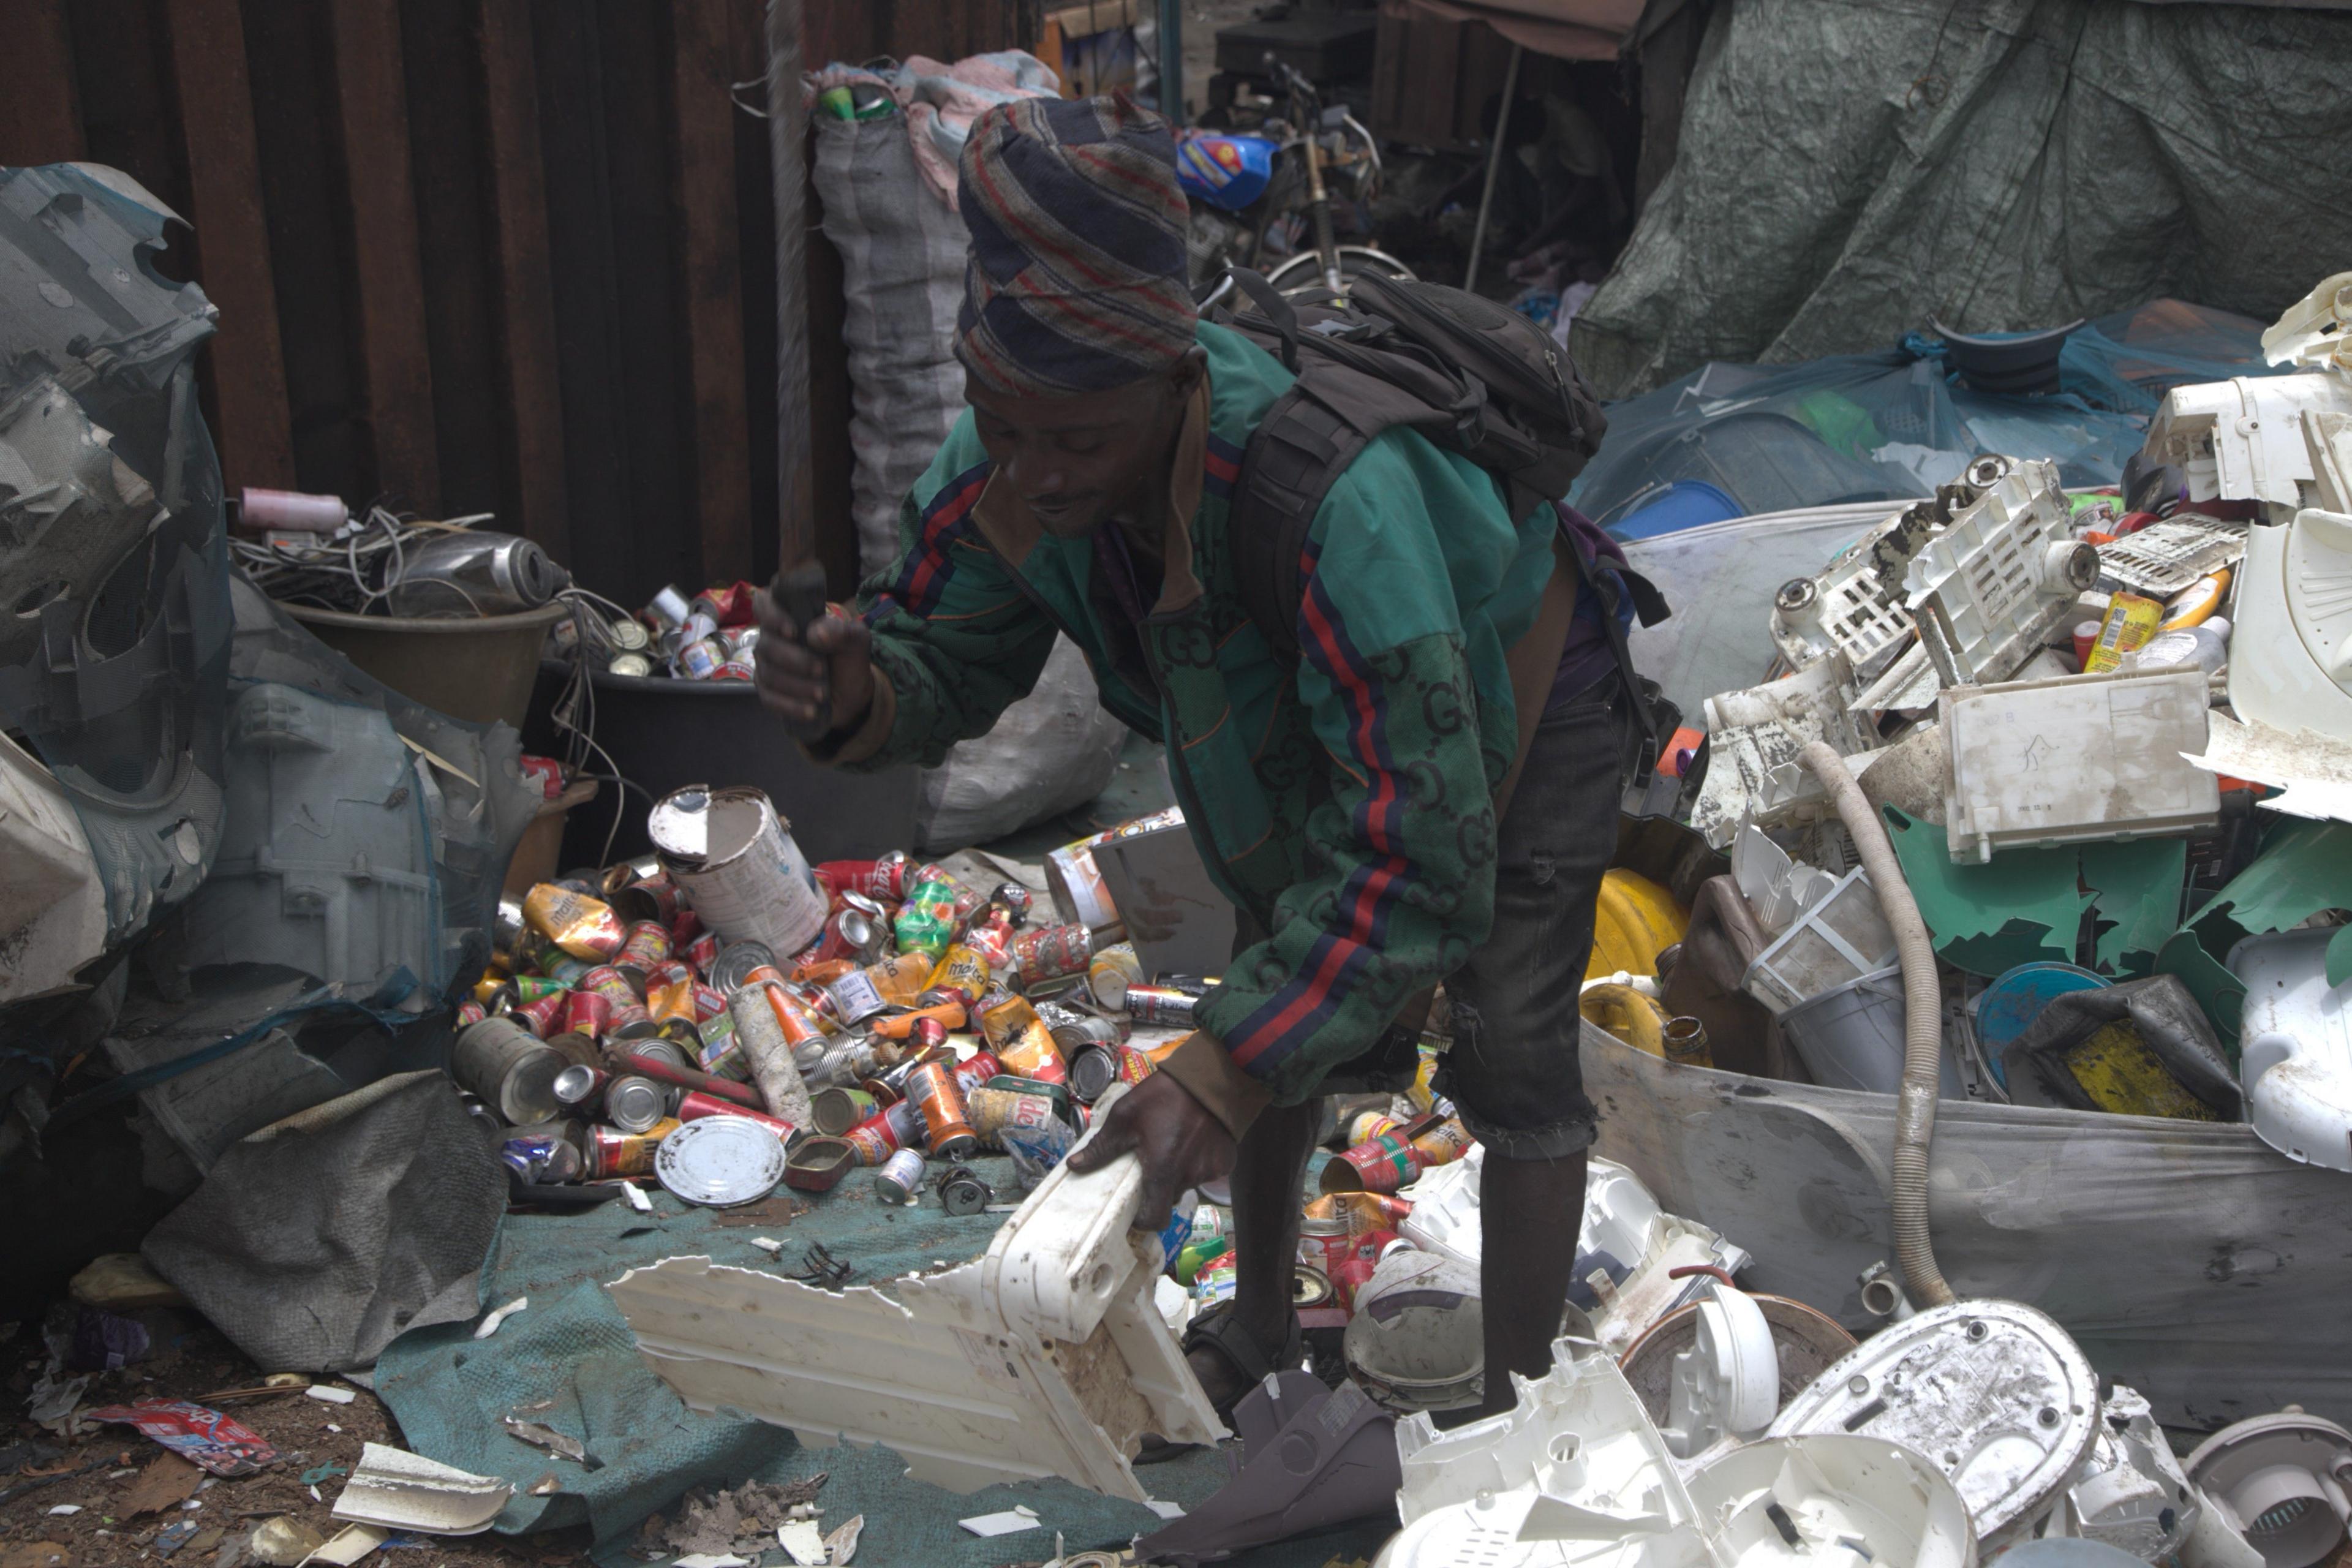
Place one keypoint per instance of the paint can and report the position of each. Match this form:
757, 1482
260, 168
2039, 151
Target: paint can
900, 1178
734, 859
947, 1124
509, 1068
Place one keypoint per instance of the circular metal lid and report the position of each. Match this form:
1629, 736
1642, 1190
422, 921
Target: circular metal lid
635, 1104
720, 1161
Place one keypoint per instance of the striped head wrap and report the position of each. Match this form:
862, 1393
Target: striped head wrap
1077, 279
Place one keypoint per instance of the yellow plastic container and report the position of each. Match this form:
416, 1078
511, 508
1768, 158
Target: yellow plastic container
1628, 1015
1634, 920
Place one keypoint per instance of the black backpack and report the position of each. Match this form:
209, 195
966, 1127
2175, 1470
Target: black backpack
1475, 378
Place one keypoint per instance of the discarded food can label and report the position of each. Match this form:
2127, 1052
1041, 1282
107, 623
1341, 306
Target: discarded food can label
702, 953
734, 859
940, 1099
546, 1016
1367, 1125
900, 1178
471, 1013
1053, 952
1161, 1005
647, 947
581, 926
997, 1111
669, 992
977, 1070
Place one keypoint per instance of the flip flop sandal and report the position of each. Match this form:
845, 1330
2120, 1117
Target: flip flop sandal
1217, 1330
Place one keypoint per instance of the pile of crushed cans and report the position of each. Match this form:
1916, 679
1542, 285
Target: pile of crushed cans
927, 1021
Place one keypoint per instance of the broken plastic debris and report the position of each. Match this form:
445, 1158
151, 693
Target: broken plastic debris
1010, 1521
490, 1321
2303, 868
327, 1393
553, 1441
207, 1437
636, 1197
2287, 667
353, 1543
1727, 1384
285, 1541
1988, 589
2295, 1046
2283, 1477
842, 1544
402, 1491
804, 1542
2314, 771
1312, 1457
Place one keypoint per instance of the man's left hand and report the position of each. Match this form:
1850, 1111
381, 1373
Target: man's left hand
1180, 1143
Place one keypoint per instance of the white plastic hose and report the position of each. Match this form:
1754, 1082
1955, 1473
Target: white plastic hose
1923, 1025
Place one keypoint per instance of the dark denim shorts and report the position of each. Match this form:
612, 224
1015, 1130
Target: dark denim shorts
1513, 1071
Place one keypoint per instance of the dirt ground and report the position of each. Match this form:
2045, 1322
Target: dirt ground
109, 1470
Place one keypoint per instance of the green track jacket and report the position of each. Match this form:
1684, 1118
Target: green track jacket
1347, 803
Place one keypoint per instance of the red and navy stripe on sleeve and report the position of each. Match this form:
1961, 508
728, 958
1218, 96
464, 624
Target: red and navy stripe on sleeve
923, 576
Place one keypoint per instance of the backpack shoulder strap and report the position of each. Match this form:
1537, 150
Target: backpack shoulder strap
1298, 450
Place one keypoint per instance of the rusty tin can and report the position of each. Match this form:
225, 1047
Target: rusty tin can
646, 948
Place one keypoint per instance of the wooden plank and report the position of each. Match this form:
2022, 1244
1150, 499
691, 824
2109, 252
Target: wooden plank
40, 111
206, 43
704, 149
387, 274
523, 263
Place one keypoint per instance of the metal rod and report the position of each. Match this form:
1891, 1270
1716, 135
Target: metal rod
787, 151
1171, 60
1494, 169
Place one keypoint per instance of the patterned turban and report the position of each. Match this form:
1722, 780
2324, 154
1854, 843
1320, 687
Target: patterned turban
1077, 279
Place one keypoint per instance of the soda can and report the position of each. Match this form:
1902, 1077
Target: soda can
978, 1069
886, 1133
856, 997
535, 987
1111, 971
612, 1152
966, 900
940, 1097
900, 1178
1161, 1005
734, 967
795, 1016
581, 925
963, 1193
1016, 898
990, 934
633, 1104
694, 1106
1026, 1048
961, 969
586, 1013
669, 992
1049, 952
580, 1087
546, 1016
883, 877
926, 922
645, 948
837, 1110
544, 1158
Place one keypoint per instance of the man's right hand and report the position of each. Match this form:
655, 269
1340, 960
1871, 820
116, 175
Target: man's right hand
815, 687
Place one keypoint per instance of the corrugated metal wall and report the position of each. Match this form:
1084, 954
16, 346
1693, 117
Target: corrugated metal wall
509, 256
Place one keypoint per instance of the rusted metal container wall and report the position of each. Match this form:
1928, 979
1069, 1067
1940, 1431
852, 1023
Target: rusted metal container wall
505, 256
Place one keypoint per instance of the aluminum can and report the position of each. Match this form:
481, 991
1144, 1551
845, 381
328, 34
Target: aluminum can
1030, 1052
940, 1097
646, 949
900, 1178
580, 1087
702, 953
565, 970
471, 1013
856, 997
534, 987
982, 1066
544, 1016
1161, 1005
694, 1106
1050, 952
1016, 898
795, 1016
629, 633
1442, 1144
628, 1004
963, 1193
882, 878
669, 991
576, 1049
963, 969
633, 1104
588, 1013
580, 924
886, 1133
611, 1152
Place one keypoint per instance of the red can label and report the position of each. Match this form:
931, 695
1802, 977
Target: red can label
1385, 1164
1051, 952
588, 1013
983, 1066
543, 1016
648, 945
702, 951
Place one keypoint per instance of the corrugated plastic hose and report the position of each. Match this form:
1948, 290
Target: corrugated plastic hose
1923, 1025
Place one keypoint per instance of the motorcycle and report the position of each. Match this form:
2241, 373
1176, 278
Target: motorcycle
1255, 196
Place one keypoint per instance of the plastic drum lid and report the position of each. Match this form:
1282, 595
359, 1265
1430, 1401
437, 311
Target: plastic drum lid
720, 1161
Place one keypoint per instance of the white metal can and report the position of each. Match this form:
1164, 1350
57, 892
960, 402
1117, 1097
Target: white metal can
734, 859
900, 1178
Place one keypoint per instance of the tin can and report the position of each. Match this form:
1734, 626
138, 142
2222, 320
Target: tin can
669, 992
737, 963
694, 1106
617, 987
940, 1097
900, 977
647, 898
1442, 1144
699, 660
629, 633
963, 1193
994, 1111
507, 929
1367, 1125
1111, 971
1075, 1032
565, 970
853, 1060
735, 862
1049, 952
856, 997
1161, 1005
720, 1057
884, 877
471, 1013
1326, 1241
583, 926
900, 1178
837, 1110
546, 1016
1095, 1069
702, 953
726, 605
536, 987
588, 1013
633, 664
1022, 1042
611, 1152
647, 947
545, 774
886, 1133
961, 969
580, 1087
1381, 1165
633, 1104
655, 1048
509, 1068
577, 1049
709, 1003
1016, 898
697, 626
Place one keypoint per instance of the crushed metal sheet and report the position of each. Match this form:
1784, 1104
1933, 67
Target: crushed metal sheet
402, 1491
2314, 770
